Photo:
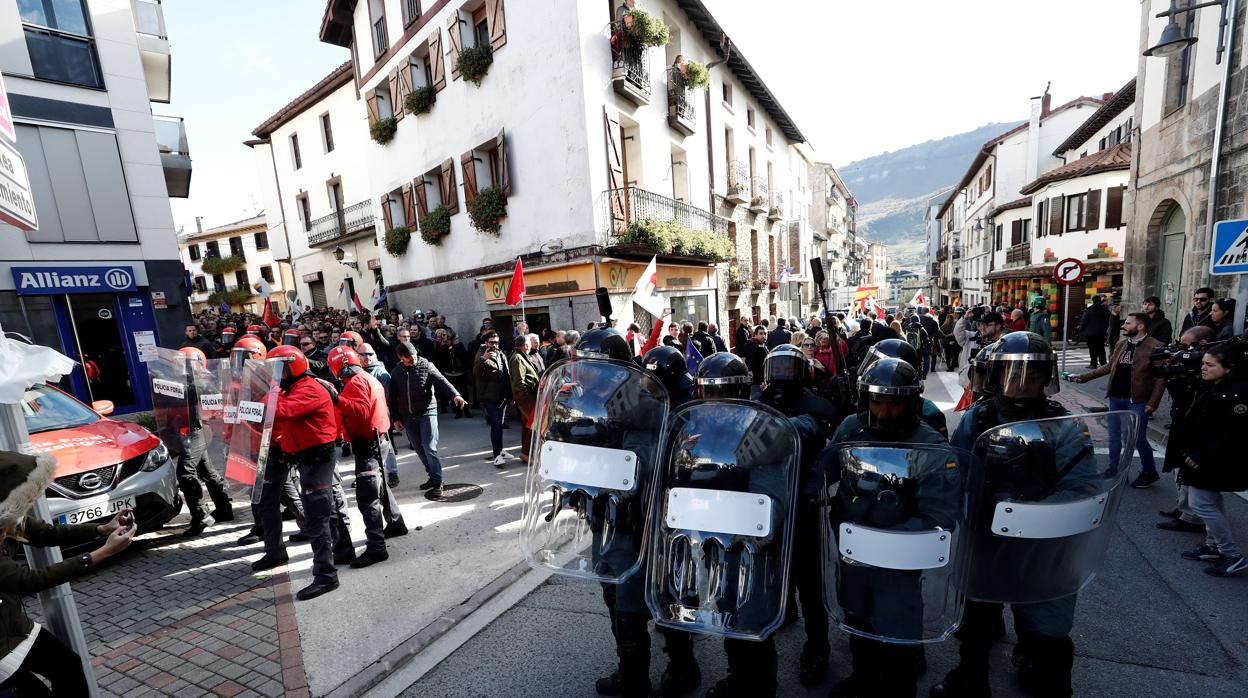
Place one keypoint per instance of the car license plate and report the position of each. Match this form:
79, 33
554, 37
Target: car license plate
100, 508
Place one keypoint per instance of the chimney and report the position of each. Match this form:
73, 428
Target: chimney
1107, 96
199, 223
1039, 110
1046, 106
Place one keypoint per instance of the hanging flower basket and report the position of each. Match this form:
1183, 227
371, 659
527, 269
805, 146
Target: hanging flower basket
488, 210
420, 100
223, 265
397, 239
383, 130
697, 75
474, 62
235, 295
647, 29
435, 225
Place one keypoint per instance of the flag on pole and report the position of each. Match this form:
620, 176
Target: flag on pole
919, 299
693, 357
355, 298
379, 297
296, 308
263, 288
269, 317
225, 307
342, 289
515, 291
646, 292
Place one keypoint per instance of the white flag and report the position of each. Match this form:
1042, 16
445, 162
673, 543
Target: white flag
296, 308
342, 290
919, 299
263, 288
646, 293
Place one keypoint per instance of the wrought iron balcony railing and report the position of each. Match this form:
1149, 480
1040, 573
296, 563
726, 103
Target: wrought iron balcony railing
758, 193
630, 65
680, 111
340, 224
776, 210
738, 182
625, 206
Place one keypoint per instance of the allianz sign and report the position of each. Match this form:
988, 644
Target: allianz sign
55, 280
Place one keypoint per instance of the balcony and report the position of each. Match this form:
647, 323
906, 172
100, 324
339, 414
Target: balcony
175, 154
1018, 255
955, 284
758, 195
626, 206
381, 39
680, 111
955, 252
630, 66
775, 212
149, 24
738, 183
352, 221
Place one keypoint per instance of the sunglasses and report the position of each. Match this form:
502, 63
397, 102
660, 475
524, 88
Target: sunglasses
1202, 299
491, 344
808, 344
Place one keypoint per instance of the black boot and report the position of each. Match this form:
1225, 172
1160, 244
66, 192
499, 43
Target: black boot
1045, 668
268, 562
199, 522
370, 557
961, 683
679, 679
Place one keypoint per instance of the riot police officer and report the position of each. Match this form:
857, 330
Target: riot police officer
193, 464
785, 379
927, 495
1021, 373
898, 349
669, 366
723, 376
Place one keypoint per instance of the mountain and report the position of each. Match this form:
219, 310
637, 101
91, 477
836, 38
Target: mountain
893, 188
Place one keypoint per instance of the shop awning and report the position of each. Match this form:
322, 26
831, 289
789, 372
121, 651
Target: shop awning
1044, 270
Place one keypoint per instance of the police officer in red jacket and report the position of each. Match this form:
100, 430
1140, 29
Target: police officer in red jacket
305, 428
365, 422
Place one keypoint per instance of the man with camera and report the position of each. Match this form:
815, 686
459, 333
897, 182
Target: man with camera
1179, 366
1132, 386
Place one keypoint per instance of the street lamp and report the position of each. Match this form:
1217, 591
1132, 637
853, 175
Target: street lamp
1173, 39
341, 255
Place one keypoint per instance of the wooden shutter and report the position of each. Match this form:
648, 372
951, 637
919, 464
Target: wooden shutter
1016, 233
405, 84
615, 173
1094, 210
396, 96
1041, 221
422, 199
1113, 207
436, 60
453, 38
409, 210
504, 177
470, 178
446, 179
385, 213
1056, 224
497, 24
370, 100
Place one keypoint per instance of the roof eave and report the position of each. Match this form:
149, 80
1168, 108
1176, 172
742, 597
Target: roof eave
1116, 105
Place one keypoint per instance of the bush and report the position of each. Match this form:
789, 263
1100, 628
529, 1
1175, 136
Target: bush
488, 210
234, 295
673, 238
647, 29
474, 62
420, 100
397, 239
435, 225
223, 265
697, 75
383, 130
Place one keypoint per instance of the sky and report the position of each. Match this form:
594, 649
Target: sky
859, 78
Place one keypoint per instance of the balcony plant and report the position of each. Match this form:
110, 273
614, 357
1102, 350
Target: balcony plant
672, 238
233, 295
646, 29
420, 100
758, 283
474, 62
734, 279
223, 265
435, 225
488, 209
397, 239
697, 75
383, 130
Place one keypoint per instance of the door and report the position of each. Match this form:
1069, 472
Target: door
100, 348
318, 294
1170, 270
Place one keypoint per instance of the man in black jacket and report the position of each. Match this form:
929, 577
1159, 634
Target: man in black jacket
1159, 326
204, 344
1202, 310
779, 336
713, 331
702, 340
413, 409
1094, 326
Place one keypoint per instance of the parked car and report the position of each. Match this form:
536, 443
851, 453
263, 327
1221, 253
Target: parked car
102, 464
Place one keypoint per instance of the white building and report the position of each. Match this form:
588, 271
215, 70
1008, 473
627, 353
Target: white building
832, 216
580, 133
238, 256
80, 76
931, 231
311, 161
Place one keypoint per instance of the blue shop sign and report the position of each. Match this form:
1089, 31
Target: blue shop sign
43, 281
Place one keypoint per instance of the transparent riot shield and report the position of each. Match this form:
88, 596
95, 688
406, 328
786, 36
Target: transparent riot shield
723, 520
1041, 504
170, 407
247, 418
893, 547
210, 382
597, 431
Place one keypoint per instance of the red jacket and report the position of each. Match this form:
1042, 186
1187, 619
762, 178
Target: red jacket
362, 405
305, 416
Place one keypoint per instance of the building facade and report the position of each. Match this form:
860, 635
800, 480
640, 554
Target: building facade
833, 210
227, 263
100, 279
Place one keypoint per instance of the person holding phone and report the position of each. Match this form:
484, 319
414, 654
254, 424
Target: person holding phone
27, 650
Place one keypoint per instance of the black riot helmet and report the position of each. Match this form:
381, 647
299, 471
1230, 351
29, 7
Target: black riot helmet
786, 365
890, 396
604, 343
890, 348
668, 365
978, 370
723, 375
1022, 371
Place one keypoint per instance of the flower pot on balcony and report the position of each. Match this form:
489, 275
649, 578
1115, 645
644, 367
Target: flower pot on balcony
773, 285
736, 194
758, 204
774, 213
734, 287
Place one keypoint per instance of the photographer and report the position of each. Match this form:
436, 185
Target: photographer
1179, 365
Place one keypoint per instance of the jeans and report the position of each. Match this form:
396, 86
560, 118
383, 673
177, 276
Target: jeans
1184, 502
1207, 504
422, 434
1142, 447
494, 416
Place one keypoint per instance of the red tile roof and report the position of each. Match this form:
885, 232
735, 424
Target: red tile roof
1010, 205
1116, 105
1115, 158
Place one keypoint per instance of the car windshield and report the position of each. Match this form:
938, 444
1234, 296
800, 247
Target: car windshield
46, 409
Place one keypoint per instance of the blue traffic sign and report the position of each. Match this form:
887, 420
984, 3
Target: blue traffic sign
1230, 248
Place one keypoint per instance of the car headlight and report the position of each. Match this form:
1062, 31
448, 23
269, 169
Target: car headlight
156, 458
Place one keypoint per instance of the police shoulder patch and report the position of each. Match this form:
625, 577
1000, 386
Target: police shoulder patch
1240, 409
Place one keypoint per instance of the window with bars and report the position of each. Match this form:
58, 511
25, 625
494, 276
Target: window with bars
411, 11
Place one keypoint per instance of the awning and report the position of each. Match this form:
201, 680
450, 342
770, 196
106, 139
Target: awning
1045, 270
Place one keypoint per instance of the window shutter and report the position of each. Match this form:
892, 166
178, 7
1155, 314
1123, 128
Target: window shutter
405, 84
503, 170
409, 211
370, 100
450, 196
1056, 224
436, 60
1016, 233
422, 199
1094, 210
396, 96
615, 173
1041, 221
1113, 207
470, 178
453, 38
497, 24
386, 218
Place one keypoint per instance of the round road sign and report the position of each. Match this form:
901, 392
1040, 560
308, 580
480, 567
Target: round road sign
1068, 271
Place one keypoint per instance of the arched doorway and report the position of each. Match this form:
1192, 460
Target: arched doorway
1173, 234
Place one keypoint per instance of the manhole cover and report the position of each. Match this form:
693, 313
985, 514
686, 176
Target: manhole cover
457, 493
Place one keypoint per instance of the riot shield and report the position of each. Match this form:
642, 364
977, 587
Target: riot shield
209, 384
597, 431
893, 547
1042, 503
170, 408
722, 520
247, 418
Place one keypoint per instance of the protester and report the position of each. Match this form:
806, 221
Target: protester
524, 375
1200, 314
1094, 327
414, 409
493, 383
1159, 326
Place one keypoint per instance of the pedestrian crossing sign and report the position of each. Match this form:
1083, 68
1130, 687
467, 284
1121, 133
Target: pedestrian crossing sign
1230, 248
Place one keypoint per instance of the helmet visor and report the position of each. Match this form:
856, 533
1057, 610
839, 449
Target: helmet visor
724, 387
786, 368
890, 412
1021, 376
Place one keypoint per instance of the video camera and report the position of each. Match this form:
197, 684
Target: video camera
1177, 360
